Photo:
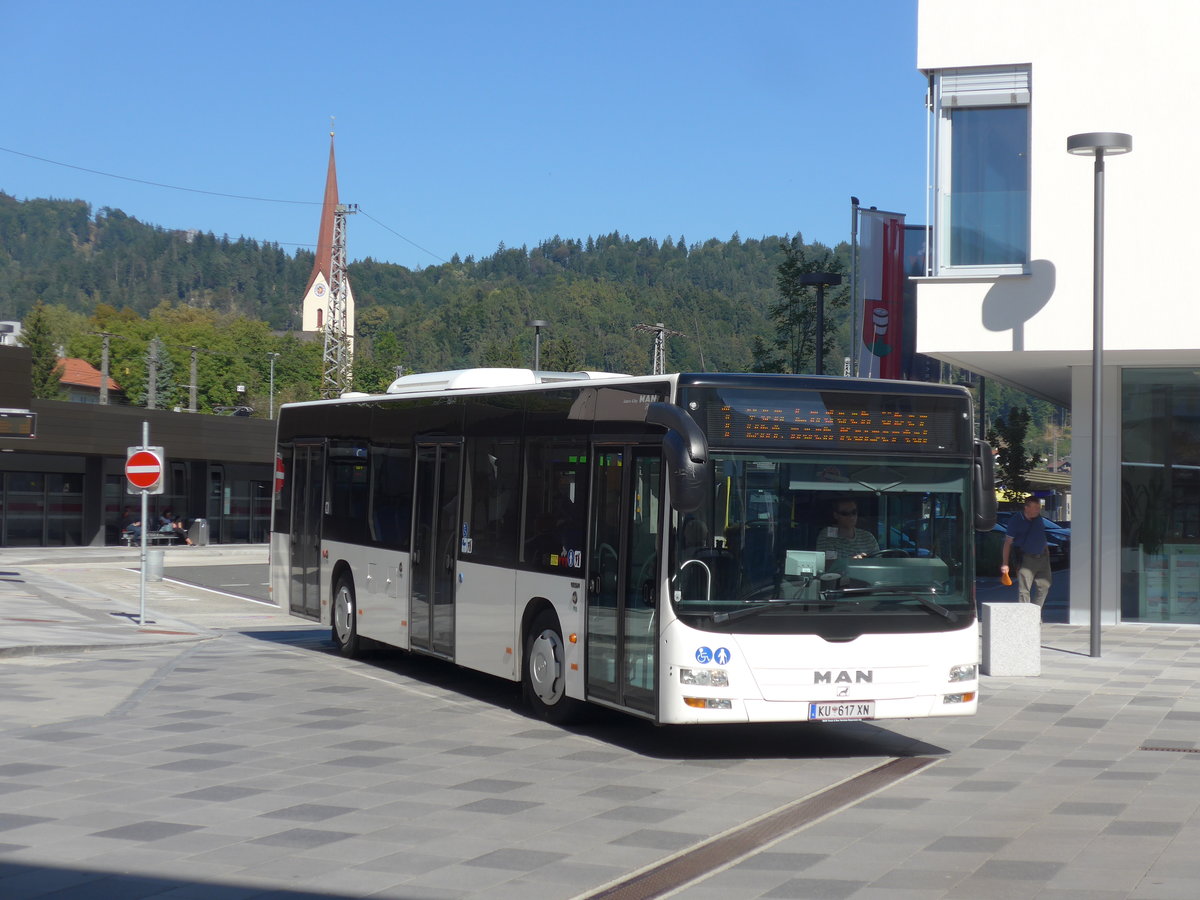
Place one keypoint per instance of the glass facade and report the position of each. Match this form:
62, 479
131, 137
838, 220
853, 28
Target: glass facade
47, 508
41, 509
1160, 496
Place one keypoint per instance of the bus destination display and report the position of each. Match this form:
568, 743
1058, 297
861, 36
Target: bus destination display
828, 421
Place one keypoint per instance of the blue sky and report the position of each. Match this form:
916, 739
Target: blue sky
463, 125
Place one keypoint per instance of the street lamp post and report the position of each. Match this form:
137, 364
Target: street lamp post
271, 389
537, 325
821, 280
1097, 144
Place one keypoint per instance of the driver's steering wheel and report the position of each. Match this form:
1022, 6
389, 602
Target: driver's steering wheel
889, 552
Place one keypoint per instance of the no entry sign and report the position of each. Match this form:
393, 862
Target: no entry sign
144, 469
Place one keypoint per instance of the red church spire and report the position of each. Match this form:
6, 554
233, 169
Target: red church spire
325, 235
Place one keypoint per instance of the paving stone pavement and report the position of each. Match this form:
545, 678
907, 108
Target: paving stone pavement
224, 751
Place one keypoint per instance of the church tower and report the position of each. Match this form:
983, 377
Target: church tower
315, 310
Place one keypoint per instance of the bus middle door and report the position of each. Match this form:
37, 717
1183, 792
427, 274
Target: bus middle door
308, 507
435, 541
623, 576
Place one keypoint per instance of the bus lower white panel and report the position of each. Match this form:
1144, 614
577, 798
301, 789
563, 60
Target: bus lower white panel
485, 624
384, 602
380, 590
566, 595
281, 569
797, 677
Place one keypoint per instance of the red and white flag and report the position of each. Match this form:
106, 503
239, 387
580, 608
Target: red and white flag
881, 289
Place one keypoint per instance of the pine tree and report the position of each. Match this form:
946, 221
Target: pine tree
795, 311
46, 366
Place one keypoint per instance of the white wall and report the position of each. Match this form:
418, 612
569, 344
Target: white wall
1096, 66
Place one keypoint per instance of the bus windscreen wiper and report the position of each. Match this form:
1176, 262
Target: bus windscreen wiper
721, 617
920, 593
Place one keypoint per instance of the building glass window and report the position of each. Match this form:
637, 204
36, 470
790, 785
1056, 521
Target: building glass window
1160, 496
982, 171
989, 186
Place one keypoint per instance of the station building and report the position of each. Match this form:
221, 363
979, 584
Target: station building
66, 485
1009, 288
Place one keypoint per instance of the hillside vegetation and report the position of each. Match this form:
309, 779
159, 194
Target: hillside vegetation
592, 290
236, 301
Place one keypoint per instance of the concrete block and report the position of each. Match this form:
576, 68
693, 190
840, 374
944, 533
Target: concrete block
1012, 638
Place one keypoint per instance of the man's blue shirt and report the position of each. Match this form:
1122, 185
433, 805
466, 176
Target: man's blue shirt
1029, 535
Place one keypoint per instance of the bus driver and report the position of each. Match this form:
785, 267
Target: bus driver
844, 539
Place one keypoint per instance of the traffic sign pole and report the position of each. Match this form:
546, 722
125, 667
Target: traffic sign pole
145, 526
145, 472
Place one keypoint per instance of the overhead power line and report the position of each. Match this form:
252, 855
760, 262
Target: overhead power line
402, 237
176, 187
173, 187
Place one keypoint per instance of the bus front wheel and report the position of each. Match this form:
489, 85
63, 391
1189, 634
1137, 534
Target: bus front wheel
545, 671
345, 624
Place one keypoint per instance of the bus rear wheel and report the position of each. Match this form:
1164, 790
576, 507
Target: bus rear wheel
544, 674
345, 623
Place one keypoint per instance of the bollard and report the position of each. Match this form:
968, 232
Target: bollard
1012, 639
154, 565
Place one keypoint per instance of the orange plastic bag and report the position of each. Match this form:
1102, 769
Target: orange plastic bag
1005, 580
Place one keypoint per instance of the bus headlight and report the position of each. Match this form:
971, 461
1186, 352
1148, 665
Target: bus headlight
962, 673
705, 677
708, 702
958, 698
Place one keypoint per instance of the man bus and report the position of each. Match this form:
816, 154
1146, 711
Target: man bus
651, 544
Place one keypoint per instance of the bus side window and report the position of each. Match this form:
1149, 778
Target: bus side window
391, 496
492, 504
555, 505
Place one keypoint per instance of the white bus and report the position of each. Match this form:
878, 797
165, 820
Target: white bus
663, 545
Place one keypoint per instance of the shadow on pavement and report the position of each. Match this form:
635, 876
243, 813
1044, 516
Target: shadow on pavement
796, 740
21, 880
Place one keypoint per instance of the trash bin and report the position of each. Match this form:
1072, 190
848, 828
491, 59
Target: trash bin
198, 532
154, 565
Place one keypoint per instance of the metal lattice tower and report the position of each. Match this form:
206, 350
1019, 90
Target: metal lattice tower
337, 375
660, 332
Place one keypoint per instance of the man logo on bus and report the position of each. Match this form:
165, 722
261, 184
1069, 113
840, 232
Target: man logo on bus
721, 656
844, 677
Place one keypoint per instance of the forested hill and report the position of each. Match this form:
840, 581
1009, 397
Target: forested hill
592, 290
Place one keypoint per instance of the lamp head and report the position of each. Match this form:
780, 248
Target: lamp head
1111, 143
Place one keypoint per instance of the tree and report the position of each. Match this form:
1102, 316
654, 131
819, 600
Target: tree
1008, 435
37, 336
561, 355
794, 312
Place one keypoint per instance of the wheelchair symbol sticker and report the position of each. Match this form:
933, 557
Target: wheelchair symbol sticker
704, 655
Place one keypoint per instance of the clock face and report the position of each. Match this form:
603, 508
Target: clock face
320, 291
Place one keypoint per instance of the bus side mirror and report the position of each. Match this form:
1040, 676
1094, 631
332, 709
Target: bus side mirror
983, 484
686, 452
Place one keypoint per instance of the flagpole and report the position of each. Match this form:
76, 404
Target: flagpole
855, 325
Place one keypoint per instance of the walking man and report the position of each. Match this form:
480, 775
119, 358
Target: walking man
1027, 532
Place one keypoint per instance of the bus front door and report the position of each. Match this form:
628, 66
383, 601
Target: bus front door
435, 547
308, 498
623, 576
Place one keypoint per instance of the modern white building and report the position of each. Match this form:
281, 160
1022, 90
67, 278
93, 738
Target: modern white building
1009, 293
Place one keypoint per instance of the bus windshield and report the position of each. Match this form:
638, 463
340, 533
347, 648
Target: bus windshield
784, 538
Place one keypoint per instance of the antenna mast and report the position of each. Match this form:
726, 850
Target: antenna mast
337, 375
660, 332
